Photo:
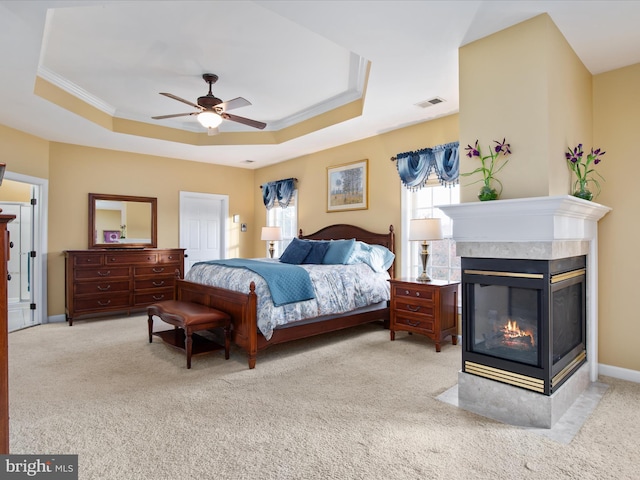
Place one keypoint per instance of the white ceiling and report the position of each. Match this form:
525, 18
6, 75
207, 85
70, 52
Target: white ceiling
291, 59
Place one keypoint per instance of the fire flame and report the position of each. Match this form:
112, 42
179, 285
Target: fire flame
512, 331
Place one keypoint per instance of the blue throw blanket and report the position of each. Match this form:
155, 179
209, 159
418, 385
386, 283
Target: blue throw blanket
287, 283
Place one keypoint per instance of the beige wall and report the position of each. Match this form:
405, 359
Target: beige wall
24, 153
524, 83
384, 182
77, 171
15, 192
616, 126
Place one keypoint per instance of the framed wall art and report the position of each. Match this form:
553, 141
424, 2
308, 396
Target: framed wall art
348, 187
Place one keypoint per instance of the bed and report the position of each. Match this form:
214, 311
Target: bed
243, 305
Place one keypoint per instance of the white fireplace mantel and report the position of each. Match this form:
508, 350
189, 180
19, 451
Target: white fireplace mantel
538, 219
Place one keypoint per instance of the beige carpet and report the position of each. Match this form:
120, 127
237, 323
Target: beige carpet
351, 405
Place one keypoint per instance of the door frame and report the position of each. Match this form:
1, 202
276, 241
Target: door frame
41, 194
224, 216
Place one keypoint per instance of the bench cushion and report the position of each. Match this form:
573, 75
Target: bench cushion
187, 313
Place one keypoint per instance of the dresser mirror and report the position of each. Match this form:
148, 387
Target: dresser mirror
122, 221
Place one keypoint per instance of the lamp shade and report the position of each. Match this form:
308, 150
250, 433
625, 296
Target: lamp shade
271, 233
209, 119
423, 229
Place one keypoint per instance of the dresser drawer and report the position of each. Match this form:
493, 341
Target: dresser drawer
102, 302
169, 258
156, 270
98, 273
104, 286
120, 258
417, 324
142, 299
88, 259
155, 282
413, 292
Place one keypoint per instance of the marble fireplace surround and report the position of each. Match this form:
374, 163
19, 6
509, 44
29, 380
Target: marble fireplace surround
539, 228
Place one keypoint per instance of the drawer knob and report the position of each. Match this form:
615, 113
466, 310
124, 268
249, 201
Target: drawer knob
158, 270
413, 324
158, 297
406, 292
104, 304
104, 289
413, 308
158, 284
104, 274
417, 294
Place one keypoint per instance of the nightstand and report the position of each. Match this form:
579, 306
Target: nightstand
430, 309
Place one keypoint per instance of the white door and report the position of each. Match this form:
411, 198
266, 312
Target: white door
203, 219
20, 266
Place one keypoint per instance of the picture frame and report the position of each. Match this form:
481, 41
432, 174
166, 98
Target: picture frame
111, 236
348, 186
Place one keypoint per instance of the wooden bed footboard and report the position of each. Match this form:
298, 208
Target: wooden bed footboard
241, 306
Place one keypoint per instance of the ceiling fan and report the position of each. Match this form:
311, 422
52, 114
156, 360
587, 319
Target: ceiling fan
212, 110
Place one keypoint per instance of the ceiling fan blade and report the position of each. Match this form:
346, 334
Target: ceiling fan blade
162, 117
170, 95
234, 103
244, 121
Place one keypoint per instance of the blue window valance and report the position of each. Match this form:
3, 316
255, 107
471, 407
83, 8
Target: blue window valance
281, 190
414, 168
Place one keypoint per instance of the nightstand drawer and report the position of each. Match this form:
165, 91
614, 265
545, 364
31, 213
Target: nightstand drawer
413, 307
415, 323
421, 292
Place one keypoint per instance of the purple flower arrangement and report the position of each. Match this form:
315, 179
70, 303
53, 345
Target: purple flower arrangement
583, 169
489, 166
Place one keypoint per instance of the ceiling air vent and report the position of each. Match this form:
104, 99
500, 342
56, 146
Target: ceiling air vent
430, 103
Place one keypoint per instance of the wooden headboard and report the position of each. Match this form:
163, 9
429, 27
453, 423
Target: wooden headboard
344, 231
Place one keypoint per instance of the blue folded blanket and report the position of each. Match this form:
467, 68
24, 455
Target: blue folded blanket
287, 283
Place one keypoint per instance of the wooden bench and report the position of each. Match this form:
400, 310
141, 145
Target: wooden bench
190, 317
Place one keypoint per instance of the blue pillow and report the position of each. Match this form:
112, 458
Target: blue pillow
339, 252
296, 252
379, 258
318, 250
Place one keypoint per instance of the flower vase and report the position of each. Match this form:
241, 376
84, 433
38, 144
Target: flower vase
583, 192
487, 192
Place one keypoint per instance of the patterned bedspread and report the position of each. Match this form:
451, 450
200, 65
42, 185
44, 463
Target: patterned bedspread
338, 289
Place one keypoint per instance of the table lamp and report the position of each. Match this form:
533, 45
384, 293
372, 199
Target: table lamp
424, 230
271, 234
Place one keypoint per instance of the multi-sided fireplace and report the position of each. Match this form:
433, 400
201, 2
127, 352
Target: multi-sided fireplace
524, 321
536, 263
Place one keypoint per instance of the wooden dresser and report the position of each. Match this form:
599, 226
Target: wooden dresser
102, 281
429, 309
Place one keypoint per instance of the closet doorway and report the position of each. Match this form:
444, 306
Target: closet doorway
22, 196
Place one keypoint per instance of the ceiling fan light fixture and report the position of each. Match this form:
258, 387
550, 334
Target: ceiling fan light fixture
209, 119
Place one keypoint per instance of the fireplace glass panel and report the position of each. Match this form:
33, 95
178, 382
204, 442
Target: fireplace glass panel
505, 322
568, 320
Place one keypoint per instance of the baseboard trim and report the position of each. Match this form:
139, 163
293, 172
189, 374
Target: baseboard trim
57, 318
618, 372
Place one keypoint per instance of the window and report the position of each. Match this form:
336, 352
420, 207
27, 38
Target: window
287, 219
443, 263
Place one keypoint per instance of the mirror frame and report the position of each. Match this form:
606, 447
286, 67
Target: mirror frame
93, 242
